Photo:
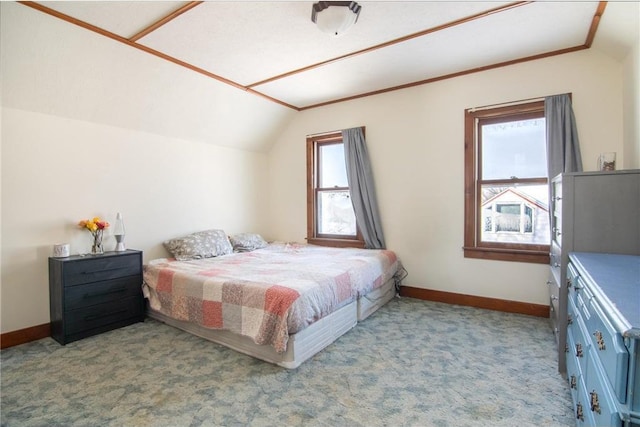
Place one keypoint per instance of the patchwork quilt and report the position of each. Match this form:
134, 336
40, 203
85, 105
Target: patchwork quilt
269, 293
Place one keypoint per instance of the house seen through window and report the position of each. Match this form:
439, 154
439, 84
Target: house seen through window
507, 196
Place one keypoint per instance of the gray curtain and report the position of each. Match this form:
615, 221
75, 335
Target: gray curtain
363, 195
563, 148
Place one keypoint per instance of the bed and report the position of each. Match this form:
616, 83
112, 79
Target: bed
281, 302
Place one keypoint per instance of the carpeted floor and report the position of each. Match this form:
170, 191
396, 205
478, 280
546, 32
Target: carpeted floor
413, 363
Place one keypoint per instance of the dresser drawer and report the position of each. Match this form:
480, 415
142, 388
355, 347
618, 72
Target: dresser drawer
582, 411
101, 268
581, 298
601, 403
574, 374
102, 292
609, 347
103, 314
572, 281
634, 372
580, 341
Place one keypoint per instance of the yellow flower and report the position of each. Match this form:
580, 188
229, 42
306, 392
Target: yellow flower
94, 224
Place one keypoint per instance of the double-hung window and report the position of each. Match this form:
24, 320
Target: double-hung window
506, 185
330, 217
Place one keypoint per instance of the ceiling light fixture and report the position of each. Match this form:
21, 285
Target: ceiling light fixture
335, 17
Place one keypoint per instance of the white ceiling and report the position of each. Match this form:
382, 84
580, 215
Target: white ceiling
273, 49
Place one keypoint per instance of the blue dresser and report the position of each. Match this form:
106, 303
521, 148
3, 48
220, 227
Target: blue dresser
603, 336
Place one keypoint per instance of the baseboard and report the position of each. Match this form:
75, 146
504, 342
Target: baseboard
26, 335
34, 333
475, 301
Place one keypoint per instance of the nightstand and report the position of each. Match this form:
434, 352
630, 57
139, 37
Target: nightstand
92, 294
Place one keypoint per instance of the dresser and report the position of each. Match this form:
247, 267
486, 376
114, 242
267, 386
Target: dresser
590, 212
92, 294
603, 338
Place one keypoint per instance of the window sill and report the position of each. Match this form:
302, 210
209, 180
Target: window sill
534, 257
336, 243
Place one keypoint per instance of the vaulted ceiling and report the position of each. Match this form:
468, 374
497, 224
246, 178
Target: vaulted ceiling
235, 73
273, 50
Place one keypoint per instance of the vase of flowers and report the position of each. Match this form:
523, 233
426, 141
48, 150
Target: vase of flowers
96, 226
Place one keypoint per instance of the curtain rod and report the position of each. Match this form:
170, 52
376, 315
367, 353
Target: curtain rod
313, 135
323, 133
507, 104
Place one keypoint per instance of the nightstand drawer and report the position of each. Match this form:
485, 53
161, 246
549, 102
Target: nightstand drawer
102, 292
103, 314
101, 268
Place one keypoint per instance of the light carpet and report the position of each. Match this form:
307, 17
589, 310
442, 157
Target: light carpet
412, 363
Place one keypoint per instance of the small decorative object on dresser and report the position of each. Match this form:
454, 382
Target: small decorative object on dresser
96, 226
118, 233
603, 338
61, 250
91, 295
607, 161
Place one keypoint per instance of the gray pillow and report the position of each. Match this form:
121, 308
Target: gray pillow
203, 244
245, 242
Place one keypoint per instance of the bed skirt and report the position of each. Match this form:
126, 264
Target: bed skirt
301, 346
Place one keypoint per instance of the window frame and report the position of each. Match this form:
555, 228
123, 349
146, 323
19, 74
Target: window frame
473, 246
313, 189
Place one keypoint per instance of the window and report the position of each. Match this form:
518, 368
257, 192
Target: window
330, 217
506, 185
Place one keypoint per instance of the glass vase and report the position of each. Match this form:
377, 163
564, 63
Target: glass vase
96, 247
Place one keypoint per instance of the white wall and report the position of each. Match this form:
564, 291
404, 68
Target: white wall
57, 171
91, 127
631, 101
415, 139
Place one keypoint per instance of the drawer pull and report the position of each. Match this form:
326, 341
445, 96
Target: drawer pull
101, 294
600, 340
100, 316
578, 350
101, 271
595, 405
579, 414
573, 382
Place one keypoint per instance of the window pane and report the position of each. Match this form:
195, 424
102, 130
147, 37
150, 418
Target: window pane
516, 148
333, 172
335, 213
515, 214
